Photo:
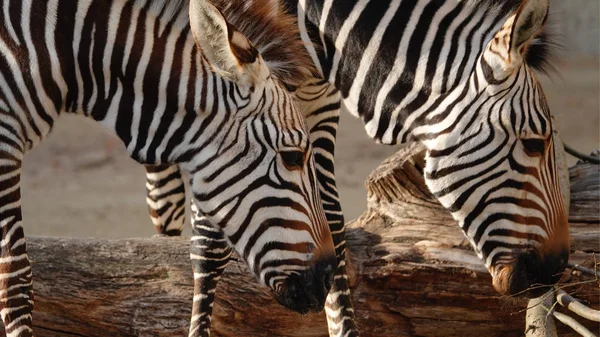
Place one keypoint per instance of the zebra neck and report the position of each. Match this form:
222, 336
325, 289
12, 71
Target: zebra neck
395, 61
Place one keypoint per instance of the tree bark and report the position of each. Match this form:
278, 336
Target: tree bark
412, 273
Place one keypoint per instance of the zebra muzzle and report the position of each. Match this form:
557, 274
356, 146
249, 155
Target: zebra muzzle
530, 275
306, 291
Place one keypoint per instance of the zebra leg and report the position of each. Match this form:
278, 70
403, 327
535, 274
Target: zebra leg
165, 198
209, 253
16, 293
320, 103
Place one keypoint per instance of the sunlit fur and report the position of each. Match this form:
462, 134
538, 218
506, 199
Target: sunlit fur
136, 67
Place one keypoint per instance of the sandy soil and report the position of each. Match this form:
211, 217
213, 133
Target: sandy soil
80, 182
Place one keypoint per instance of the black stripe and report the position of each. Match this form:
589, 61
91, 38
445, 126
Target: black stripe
361, 33
63, 40
386, 58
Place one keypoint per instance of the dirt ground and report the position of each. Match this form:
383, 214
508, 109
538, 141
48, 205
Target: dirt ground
80, 182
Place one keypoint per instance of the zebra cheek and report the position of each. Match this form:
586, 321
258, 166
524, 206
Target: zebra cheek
559, 241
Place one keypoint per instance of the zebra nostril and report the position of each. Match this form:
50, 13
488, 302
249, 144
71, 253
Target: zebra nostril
280, 288
325, 269
328, 282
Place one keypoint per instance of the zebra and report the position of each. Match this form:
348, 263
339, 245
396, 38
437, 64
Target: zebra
179, 84
459, 76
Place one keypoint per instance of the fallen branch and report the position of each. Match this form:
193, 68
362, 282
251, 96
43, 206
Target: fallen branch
569, 321
537, 321
577, 307
579, 155
583, 269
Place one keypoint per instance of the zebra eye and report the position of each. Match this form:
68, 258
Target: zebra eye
292, 159
290, 88
534, 146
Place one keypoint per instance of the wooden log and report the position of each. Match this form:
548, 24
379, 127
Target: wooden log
411, 270
538, 322
416, 266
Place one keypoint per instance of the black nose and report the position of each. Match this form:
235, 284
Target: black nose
325, 269
557, 264
532, 276
307, 291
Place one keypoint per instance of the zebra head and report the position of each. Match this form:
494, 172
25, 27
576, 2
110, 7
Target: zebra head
496, 171
255, 177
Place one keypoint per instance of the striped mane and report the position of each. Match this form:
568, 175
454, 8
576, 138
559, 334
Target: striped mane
275, 34
542, 52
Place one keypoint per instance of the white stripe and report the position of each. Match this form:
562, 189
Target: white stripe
3, 105
186, 70
9, 259
113, 25
323, 22
205, 238
17, 73
131, 34
51, 16
9, 289
304, 35
198, 276
444, 53
340, 42
397, 69
110, 120
94, 95
15, 106
8, 22
17, 332
198, 88
168, 187
82, 9
420, 72
5, 276
138, 83
200, 297
204, 258
369, 56
165, 75
494, 252
11, 189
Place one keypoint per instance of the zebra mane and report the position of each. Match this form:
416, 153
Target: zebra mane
542, 52
274, 32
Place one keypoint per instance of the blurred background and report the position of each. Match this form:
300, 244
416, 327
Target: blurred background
81, 183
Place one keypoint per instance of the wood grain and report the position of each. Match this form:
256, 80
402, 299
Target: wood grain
411, 270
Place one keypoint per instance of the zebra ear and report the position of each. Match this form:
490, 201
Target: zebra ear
506, 51
228, 51
529, 21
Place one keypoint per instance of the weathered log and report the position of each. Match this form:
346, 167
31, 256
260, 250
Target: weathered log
411, 270
416, 250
